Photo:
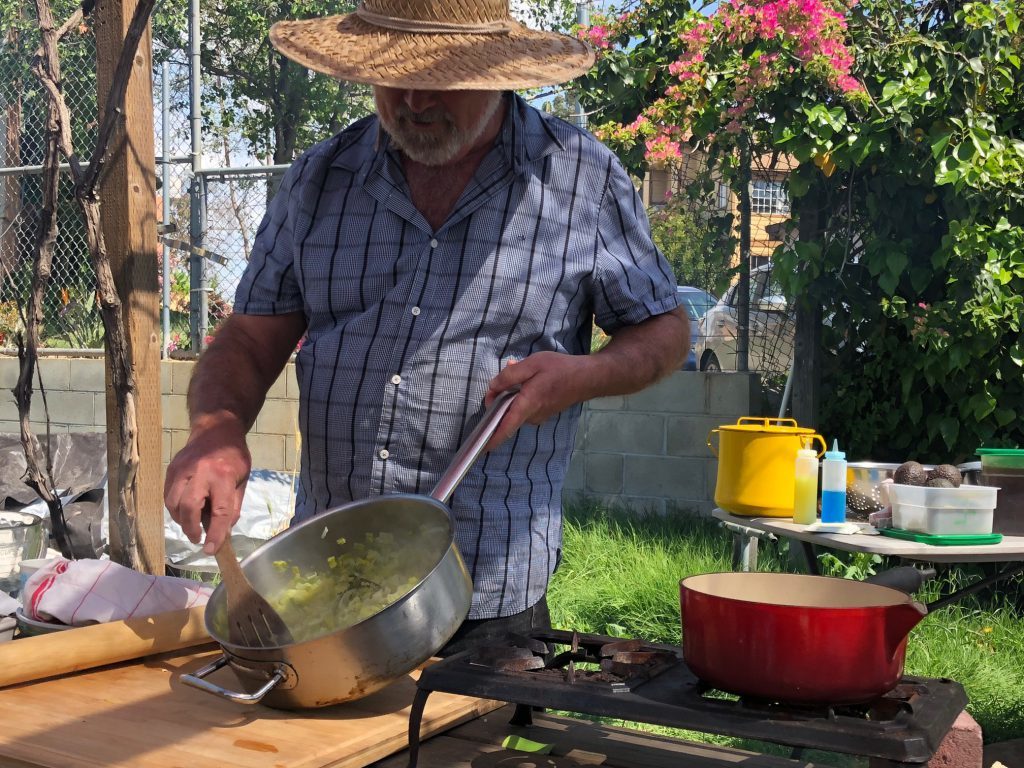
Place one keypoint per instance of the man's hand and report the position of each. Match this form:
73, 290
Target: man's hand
227, 390
549, 382
209, 474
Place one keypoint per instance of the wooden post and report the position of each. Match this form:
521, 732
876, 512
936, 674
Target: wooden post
128, 194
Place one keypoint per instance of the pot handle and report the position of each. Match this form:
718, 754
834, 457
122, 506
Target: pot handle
473, 445
900, 619
196, 681
766, 421
714, 449
821, 441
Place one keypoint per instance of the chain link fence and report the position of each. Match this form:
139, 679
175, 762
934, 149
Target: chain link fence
208, 219
696, 221
71, 318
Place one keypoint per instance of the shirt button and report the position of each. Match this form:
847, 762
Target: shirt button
396, 379
415, 310
433, 243
383, 453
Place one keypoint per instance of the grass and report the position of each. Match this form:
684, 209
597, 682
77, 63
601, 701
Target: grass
620, 575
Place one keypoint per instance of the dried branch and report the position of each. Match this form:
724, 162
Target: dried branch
47, 68
38, 474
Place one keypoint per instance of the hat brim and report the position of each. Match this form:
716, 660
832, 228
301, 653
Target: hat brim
348, 48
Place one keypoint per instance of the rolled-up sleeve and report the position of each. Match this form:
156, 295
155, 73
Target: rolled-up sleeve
635, 281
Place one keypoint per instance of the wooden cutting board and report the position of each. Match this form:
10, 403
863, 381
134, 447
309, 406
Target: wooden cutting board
139, 715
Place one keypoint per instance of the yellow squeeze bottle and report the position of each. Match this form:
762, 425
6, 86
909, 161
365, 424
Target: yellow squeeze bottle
805, 496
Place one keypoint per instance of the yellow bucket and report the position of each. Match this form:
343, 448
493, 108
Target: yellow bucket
756, 465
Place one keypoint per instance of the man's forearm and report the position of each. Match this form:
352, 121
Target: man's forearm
233, 375
640, 355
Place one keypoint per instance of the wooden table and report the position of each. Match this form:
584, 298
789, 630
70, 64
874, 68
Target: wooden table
1010, 549
1009, 552
140, 715
477, 744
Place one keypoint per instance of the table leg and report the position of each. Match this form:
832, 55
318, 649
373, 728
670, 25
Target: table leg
744, 552
810, 558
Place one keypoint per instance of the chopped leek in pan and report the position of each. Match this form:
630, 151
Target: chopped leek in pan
361, 579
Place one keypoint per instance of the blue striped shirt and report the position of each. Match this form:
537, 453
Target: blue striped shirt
406, 326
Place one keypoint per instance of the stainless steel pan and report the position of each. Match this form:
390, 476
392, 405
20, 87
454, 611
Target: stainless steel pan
353, 662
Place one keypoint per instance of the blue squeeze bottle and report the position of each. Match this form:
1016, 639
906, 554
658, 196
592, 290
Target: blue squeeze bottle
833, 485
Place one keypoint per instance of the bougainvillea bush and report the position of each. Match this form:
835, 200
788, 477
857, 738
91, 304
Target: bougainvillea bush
906, 121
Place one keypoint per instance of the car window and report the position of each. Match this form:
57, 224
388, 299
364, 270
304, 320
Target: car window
697, 303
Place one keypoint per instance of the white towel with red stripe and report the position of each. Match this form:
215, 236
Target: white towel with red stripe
80, 592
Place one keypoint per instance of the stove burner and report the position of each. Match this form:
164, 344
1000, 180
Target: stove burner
638, 681
619, 665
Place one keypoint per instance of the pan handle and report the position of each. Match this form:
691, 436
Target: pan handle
473, 445
196, 681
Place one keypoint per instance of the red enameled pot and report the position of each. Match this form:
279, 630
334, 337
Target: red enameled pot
794, 638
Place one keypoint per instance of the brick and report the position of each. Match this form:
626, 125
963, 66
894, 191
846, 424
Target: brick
267, 451
55, 373
603, 473
667, 477
615, 403
8, 373
72, 407
165, 448
734, 394
292, 459
181, 375
291, 383
166, 376
688, 436
279, 389
278, 417
99, 416
175, 410
575, 475
627, 432
88, 375
178, 439
961, 748
682, 392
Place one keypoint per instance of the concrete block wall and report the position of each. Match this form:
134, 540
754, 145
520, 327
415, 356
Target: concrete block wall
76, 397
649, 451
646, 451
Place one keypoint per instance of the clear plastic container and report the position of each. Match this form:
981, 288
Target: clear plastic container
805, 493
833, 485
964, 510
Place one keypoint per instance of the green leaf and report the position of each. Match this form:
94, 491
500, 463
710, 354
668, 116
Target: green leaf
939, 144
976, 65
949, 428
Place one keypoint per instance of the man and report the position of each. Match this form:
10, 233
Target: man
454, 245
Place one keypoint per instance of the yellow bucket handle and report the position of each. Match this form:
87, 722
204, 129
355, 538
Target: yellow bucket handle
714, 450
820, 439
764, 421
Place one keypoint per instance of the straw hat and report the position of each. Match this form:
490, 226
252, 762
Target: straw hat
434, 45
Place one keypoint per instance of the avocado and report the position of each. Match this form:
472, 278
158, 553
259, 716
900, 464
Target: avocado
939, 482
948, 472
910, 473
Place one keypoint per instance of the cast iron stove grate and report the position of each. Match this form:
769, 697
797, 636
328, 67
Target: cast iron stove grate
650, 683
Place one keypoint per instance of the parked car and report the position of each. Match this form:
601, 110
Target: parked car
697, 302
771, 327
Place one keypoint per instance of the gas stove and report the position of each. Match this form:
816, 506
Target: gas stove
645, 682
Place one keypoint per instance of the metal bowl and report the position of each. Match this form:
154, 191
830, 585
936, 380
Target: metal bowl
863, 479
